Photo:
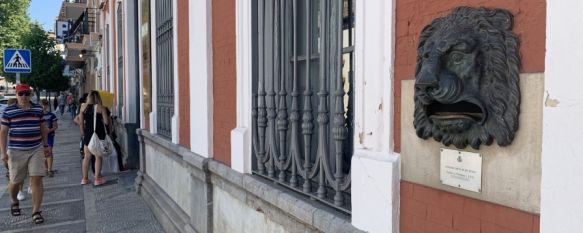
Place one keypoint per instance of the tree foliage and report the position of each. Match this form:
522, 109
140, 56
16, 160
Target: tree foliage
17, 31
47, 64
14, 24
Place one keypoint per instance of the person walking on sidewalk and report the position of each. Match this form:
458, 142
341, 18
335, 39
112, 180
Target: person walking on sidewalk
21, 135
55, 103
21, 194
52, 125
73, 108
86, 118
62, 100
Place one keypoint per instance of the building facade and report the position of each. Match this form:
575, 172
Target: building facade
298, 116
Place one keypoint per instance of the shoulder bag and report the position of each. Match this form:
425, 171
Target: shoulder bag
97, 146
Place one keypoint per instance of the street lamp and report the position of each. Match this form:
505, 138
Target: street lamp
84, 51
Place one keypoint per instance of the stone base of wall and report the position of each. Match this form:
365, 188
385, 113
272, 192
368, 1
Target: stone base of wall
168, 213
219, 199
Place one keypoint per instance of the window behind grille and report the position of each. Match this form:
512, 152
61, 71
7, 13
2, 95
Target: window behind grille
303, 100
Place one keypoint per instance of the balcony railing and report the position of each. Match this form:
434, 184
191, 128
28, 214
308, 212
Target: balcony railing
76, 1
82, 26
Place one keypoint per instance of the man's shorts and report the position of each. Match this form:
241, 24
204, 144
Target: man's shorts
23, 162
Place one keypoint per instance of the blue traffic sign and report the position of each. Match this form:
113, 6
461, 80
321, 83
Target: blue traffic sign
17, 61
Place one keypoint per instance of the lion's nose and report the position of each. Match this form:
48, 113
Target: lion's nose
426, 82
425, 87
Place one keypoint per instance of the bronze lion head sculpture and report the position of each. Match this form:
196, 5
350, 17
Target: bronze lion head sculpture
466, 79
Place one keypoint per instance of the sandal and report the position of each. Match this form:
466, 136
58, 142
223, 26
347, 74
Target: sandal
51, 173
37, 218
99, 181
14, 209
85, 181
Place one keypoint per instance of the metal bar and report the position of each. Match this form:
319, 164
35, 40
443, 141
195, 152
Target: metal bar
262, 120
307, 118
271, 94
323, 98
281, 109
294, 117
339, 120
282, 118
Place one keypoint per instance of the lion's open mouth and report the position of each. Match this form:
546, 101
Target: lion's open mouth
457, 111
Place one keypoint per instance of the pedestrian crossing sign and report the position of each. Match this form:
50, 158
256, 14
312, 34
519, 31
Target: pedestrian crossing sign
17, 61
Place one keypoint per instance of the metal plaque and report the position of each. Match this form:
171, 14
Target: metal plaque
461, 169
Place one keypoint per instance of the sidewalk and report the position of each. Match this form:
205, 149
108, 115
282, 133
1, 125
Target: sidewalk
71, 207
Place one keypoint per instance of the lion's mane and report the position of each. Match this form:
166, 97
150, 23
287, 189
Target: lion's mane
499, 82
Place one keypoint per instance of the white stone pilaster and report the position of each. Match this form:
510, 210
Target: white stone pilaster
375, 168
562, 176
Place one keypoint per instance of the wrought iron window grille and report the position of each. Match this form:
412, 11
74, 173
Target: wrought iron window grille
303, 97
165, 67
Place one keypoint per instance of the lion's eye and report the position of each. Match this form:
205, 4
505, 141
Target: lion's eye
456, 57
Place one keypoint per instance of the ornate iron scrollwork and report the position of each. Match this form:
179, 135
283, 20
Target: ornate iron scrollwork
303, 98
466, 87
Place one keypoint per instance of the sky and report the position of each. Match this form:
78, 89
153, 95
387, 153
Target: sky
45, 12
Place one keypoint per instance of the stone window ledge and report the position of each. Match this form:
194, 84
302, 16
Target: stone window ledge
259, 194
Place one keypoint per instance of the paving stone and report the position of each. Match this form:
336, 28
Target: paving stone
65, 227
58, 194
61, 212
131, 209
61, 180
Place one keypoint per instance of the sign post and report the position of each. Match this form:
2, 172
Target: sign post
17, 61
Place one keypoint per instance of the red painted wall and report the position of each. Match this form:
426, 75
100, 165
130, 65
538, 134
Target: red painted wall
224, 78
413, 15
429, 210
183, 75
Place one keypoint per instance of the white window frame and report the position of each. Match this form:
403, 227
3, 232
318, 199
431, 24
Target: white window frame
175, 118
